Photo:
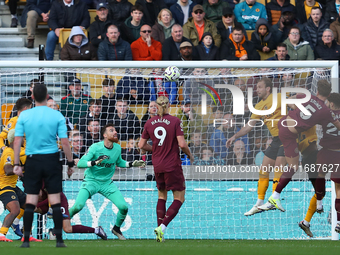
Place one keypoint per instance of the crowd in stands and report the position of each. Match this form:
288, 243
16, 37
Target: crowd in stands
209, 29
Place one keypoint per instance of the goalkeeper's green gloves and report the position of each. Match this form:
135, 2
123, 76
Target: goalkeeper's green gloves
137, 163
97, 161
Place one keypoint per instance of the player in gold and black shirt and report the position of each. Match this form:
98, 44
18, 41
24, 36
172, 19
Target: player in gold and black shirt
274, 155
12, 197
21, 104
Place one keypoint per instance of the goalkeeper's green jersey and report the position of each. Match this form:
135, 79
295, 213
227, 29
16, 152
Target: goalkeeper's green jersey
105, 170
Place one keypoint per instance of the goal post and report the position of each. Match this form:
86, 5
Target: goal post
216, 197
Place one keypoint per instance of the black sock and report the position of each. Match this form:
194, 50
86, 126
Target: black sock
117, 229
58, 221
28, 220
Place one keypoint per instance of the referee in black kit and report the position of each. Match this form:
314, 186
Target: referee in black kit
41, 125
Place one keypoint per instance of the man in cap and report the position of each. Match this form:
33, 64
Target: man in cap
185, 50
226, 26
75, 104
275, 10
99, 25
197, 25
281, 29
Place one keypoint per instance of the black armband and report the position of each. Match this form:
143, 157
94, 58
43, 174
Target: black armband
130, 164
70, 163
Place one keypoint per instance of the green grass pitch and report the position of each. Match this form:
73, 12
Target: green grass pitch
176, 247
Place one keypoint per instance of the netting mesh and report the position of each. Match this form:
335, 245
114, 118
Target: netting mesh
216, 199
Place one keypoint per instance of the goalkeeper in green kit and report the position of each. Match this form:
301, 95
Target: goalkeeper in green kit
101, 160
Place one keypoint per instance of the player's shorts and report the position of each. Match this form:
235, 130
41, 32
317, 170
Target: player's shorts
275, 149
45, 167
288, 140
331, 159
104, 188
9, 194
170, 180
309, 160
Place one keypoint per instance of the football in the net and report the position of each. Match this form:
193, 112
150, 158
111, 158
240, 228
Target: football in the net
172, 73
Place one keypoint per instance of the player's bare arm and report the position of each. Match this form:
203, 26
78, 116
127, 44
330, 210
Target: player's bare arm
244, 130
67, 149
17, 146
184, 146
143, 145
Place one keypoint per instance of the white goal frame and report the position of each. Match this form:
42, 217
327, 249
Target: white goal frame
190, 64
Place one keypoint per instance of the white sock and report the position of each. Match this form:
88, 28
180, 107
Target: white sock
2, 234
96, 230
338, 222
306, 223
16, 221
163, 227
319, 204
276, 195
14, 16
259, 202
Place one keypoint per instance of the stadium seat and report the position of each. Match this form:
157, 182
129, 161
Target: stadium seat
122, 144
249, 32
267, 1
96, 82
65, 33
41, 23
93, 15
20, 2
174, 110
265, 56
6, 110
207, 117
180, 94
139, 110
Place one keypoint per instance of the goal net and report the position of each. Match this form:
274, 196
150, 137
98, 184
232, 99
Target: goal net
221, 183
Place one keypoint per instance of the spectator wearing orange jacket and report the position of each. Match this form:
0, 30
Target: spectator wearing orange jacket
145, 47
